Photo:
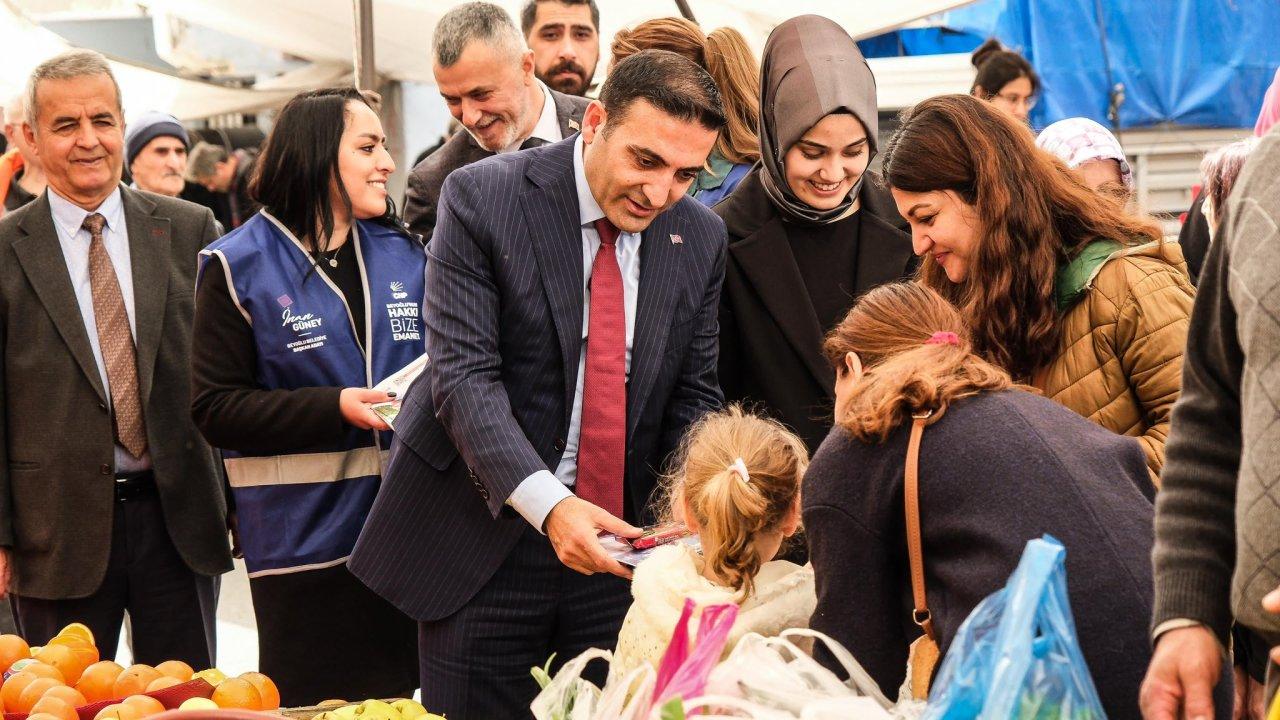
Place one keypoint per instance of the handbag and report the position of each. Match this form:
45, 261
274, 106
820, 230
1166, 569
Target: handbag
924, 654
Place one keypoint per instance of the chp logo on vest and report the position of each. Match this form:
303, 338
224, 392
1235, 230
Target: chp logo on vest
403, 315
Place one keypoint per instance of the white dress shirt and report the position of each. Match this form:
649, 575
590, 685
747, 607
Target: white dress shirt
540, 492
68, 219
548, 127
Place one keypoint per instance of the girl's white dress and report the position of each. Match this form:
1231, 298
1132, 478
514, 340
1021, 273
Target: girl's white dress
784, 597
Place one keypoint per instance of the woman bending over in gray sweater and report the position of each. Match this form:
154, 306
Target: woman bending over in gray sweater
998, 466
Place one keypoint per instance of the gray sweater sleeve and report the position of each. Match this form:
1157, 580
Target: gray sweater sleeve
1195, 510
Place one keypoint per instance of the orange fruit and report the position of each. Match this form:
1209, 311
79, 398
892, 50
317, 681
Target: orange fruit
98, 680
118, 711
45, 670
68, 694
176, 669
85, 652
267, 691
55, 706
12, 649
237, 693
66, 660
44, 716
33, 692
78, 630
13, 687
145, 705
162, 682
134, 681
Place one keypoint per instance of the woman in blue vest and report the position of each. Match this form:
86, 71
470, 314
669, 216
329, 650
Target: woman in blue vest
299, 312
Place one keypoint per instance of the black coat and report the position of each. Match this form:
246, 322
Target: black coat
770, 337
1194, 238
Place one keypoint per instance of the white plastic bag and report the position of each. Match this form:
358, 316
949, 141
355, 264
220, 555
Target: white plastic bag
762, 679
776, 673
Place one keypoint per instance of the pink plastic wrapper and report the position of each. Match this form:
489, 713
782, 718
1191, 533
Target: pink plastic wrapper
683, 671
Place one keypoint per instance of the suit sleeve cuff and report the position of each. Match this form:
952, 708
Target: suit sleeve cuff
536, 495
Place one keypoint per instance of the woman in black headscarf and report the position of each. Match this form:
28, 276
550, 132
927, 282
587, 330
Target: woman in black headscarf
810, 229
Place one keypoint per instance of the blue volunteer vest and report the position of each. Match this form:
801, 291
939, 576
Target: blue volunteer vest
304, 511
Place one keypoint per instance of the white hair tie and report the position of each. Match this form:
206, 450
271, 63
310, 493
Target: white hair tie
740, 468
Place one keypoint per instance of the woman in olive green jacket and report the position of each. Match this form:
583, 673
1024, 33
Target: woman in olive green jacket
1063, 288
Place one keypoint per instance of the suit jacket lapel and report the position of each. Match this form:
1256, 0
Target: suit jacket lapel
551, 209
40, 254
660, 281
766, 260
474, 153
149, 252
567, 114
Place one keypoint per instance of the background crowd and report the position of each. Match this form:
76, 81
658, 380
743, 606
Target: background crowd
707, 291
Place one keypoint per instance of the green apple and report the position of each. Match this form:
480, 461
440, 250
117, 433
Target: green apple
198, 703
377, 710
409, 709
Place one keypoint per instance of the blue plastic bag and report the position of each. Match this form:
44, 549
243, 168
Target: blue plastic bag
1017, 655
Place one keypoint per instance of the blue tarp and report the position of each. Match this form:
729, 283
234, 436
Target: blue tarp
1189, 62
920, 41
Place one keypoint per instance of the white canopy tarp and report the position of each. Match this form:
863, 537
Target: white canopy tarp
142, 89
322, 30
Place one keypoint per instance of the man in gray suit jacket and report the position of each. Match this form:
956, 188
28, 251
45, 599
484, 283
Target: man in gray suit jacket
486, 76
571, 314
110, 501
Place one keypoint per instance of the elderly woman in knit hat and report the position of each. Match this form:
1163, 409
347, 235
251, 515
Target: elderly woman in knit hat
1092, 152
810, 228
155, 151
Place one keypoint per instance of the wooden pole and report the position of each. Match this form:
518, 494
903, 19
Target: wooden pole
366, 71
685, 11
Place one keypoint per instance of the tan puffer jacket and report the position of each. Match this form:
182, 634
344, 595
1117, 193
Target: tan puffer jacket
1120, 359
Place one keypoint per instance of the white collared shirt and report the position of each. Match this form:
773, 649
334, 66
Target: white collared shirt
548, 126
540, 492
68, 219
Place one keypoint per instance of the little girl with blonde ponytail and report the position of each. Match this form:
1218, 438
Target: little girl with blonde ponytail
737, 484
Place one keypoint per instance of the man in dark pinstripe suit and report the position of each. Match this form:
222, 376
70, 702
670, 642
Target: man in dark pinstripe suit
571, 308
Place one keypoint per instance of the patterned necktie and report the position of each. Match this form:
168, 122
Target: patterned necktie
116, 342
603, 435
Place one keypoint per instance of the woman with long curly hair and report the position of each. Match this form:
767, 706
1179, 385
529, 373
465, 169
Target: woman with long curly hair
998, 466
1066, 291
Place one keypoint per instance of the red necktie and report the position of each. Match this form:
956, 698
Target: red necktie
602, 439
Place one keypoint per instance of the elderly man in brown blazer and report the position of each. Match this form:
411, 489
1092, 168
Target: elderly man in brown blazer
110, 501
485, 73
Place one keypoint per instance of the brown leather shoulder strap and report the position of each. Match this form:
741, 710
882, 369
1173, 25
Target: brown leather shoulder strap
915, 545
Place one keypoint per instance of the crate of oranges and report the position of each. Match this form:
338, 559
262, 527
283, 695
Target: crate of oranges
66, 680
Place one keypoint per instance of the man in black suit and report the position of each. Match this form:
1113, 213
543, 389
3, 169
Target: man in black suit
110, 501
486, 76
572, 295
